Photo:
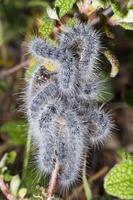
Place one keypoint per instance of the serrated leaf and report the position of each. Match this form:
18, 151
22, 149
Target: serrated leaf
119, 181
64, 6
46, 26
72, 21
125, 156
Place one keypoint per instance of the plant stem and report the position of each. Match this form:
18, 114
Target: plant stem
13, 69
26, 158
52, 183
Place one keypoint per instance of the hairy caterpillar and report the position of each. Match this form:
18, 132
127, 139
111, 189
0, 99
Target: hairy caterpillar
88, 46
64, 119
64, 140
63, 60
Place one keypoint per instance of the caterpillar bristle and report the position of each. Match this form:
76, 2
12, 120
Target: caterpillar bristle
62, 109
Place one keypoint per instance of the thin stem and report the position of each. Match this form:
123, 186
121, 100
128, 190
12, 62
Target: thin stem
13, 69
26, 158
53, 180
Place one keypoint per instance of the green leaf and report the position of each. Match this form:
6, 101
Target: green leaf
125, 156
8, 158
14, 185
7, 177
126, 22
119, 181
72, 21
127, 26
128, 18
11, 157
64, 6
116, 7
16, 129
46, 26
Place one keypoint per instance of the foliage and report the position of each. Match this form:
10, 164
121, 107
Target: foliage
119, 181
12, 10
46, 26
13, 183
64, 6
16, 130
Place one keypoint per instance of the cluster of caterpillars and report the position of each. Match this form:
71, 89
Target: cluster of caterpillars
64, 117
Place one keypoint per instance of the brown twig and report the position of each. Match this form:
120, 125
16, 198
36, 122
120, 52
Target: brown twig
5, 190
52, 183
14, 69
99, 174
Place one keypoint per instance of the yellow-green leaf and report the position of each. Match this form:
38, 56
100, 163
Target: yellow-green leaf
22, 192
64, 6
127, 26
116, 7
119, 181
46, 26
128, 18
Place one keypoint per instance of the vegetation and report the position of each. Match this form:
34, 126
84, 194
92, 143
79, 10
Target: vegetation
108, 170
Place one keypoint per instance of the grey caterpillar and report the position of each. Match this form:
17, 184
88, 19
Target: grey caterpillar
63, 60
47, 92
64, 119
62, 139
100, 125
87, 47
